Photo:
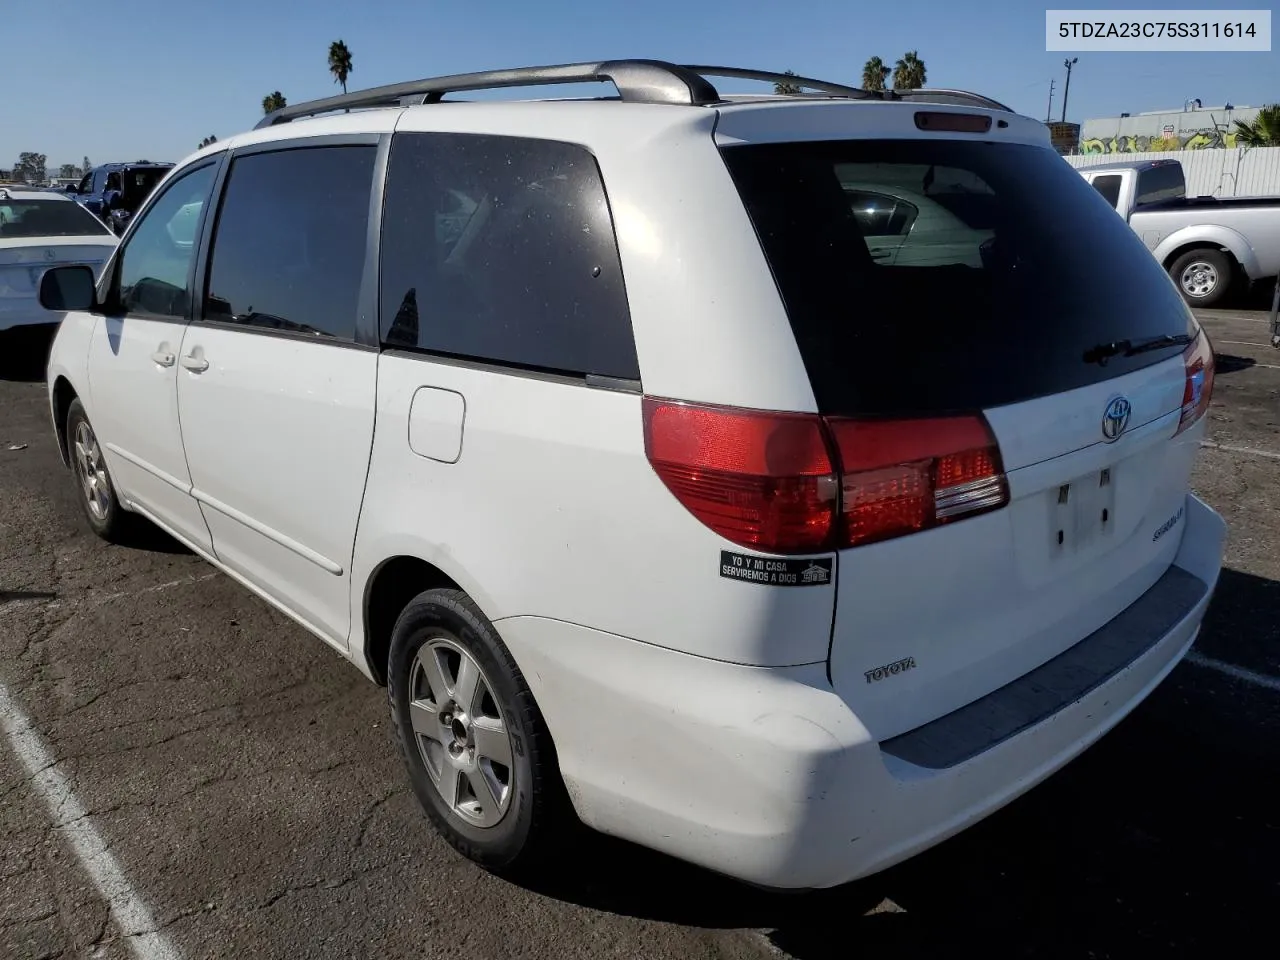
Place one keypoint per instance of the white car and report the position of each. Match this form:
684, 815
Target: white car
593, 431
38, 230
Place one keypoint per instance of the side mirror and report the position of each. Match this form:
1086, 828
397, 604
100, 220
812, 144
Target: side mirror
67, 288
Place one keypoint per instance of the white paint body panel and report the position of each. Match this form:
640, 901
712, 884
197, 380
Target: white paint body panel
553, 511
315, 464
135, 416
277, 433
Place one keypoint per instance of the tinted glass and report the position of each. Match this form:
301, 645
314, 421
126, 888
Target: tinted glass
154, 265
1164, 182
1109, 188
289, 247
502, 249
1013, 269
47, 218
138, 182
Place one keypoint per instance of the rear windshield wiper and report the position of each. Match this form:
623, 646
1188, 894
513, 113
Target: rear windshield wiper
1102, 352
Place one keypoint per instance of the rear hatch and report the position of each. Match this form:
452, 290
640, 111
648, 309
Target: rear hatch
23, 262
987, 345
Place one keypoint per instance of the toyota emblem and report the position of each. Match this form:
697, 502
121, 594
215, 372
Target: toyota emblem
1116, 418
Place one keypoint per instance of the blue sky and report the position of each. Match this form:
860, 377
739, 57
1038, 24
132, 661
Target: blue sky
151, 79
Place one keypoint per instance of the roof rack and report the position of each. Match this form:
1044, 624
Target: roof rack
638, 81
930, 95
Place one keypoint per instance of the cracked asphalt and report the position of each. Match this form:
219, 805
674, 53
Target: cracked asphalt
244, 778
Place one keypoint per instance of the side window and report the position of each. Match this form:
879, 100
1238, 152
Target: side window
86, 184
502, 249
289, 247
154, 268
1109, 187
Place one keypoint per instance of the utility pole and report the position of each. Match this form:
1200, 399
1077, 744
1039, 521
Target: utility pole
1048, 111
1067, 89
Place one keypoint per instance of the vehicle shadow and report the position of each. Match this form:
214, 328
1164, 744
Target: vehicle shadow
1225, 363
145, 535
24, 352
1162, 839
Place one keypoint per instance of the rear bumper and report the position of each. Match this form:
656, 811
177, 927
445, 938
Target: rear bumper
766, 775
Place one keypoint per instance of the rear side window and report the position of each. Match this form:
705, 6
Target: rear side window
502, 249
289, 247
1013, 268
1108, 187
1163, 182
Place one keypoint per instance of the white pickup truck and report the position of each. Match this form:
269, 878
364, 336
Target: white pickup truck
1206, 243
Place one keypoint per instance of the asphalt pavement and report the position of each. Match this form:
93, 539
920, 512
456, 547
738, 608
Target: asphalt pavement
185, 773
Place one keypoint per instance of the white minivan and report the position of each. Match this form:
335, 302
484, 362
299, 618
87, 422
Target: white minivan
594, 430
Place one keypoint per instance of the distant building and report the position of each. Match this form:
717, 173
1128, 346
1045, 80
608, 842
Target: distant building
1193, 128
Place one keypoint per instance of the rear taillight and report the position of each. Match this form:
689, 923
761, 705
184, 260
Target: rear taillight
1198, 390
762, 480
900, 476
799, 483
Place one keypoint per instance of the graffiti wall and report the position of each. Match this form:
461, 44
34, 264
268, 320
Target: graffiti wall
1127, 143
1165, 131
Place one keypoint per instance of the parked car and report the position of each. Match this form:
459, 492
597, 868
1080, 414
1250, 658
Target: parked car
39, 230
773, 557
113, 192
1206, 243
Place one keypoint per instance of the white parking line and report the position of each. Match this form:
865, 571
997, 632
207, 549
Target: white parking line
1244, 343
1236, 448
1231, 670
70, 819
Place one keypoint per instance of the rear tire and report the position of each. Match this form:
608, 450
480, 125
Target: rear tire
478, 753
98, 500
1203, 276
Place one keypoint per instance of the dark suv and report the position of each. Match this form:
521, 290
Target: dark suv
114, 191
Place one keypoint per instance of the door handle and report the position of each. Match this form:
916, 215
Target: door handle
195, 364
163, 358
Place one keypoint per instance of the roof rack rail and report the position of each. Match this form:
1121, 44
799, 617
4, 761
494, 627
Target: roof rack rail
643, 81
638, 81
823, 86
926, 95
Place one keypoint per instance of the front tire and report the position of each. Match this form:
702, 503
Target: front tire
1203, 276
478, 753
98, 500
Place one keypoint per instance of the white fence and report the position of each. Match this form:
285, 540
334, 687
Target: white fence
1219, 172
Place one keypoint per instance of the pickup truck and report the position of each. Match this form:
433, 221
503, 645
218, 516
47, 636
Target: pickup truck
1206, 243
113, 192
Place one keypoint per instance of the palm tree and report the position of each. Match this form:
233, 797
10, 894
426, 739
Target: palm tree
874, 74
273, 102
783, 87
208, 140
908, 73
1263, 131
340, 63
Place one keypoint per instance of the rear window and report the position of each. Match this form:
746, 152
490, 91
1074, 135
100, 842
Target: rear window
47, 218
1011, 268
1159, 183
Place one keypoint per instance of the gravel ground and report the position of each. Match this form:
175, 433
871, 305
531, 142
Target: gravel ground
241, 779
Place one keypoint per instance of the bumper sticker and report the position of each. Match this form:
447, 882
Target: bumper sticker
776, 571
